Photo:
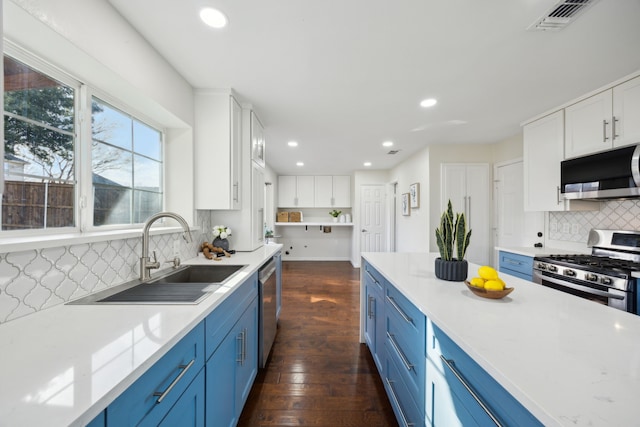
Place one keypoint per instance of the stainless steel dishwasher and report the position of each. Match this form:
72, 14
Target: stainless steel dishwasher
268, 322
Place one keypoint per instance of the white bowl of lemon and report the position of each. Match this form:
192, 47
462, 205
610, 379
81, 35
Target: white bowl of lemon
488, 284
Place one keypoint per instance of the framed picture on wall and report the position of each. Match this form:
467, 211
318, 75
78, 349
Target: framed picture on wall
406, 208
414, 195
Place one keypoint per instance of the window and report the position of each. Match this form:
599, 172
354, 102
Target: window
40, 146
43, 146
126, 167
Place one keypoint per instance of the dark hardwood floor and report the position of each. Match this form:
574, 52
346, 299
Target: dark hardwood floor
318, 373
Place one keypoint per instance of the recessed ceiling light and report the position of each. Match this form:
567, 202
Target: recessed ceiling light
367, 164
292, 144
428, 102
300, 164
213, 17
387, 144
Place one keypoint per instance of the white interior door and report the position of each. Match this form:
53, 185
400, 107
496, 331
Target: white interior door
373, 225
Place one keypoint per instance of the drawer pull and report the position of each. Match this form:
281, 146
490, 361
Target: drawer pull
162, 394
405, 361
512, 262
372, 278
370, 308
397, 402
451, 365
399, 310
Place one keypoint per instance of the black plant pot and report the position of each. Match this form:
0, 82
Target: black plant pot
454, 270
221, 243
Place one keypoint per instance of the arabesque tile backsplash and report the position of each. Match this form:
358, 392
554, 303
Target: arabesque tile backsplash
575, 226
34, 280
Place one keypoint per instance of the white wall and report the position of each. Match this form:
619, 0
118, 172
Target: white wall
413, 230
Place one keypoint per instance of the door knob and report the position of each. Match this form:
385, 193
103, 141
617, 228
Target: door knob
364, 230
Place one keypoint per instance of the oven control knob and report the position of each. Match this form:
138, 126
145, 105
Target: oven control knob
541, 266
606, 280
552, 268
570, 273
591, 277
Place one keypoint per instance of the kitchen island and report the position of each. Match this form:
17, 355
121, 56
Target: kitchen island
568, 361
64, 365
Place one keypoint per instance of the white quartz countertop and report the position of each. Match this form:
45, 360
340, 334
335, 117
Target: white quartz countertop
64, 365
544, 251
570, 361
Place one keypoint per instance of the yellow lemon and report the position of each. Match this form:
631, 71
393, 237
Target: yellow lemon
478, 282
504, 285
493, 285
487, 273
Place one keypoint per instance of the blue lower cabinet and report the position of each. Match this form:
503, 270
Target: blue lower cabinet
460, 393
99, 421
517, 265
401, 398
374, 330
189, 409
231, 370
148, 401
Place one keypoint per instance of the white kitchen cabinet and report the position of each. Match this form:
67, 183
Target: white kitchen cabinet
296, 191
543, 141
247, 224
626, 113
603, 121
258, 143
332, 191
218, 160
467, 186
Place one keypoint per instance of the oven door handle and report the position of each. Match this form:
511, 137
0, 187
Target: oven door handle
575, 286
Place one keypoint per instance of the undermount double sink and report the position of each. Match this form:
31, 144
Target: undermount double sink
186, 285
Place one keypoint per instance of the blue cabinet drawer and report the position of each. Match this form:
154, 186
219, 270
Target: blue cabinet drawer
410, 321
222, 319
401, 397
516, 265
463, 374
373, 277
149, 399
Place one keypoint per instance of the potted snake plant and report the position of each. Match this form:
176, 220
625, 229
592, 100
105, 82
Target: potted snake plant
451, 234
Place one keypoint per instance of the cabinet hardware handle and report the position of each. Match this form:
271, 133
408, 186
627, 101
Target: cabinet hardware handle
451, 365
369, 311
402, 313
558, 201
406, 363
240, 340
372, 278
235, 192
397, 402
604, 130
613, 127
162, 394
244, 345
512, 262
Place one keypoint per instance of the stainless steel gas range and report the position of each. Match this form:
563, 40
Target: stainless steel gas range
605, 276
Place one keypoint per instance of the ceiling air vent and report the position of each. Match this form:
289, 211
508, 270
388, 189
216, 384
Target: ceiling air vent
561, 15
393, 152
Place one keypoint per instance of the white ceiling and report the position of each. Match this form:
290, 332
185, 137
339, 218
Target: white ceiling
342, 76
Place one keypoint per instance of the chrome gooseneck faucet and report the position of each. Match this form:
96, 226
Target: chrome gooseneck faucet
145, 263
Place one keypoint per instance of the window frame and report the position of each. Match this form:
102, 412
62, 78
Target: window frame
83, 183
87, 193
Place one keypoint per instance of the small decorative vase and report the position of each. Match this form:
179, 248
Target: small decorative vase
335, 219
453, 271
221, 243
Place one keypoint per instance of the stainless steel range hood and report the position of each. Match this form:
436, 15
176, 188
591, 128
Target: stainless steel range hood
613, 174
